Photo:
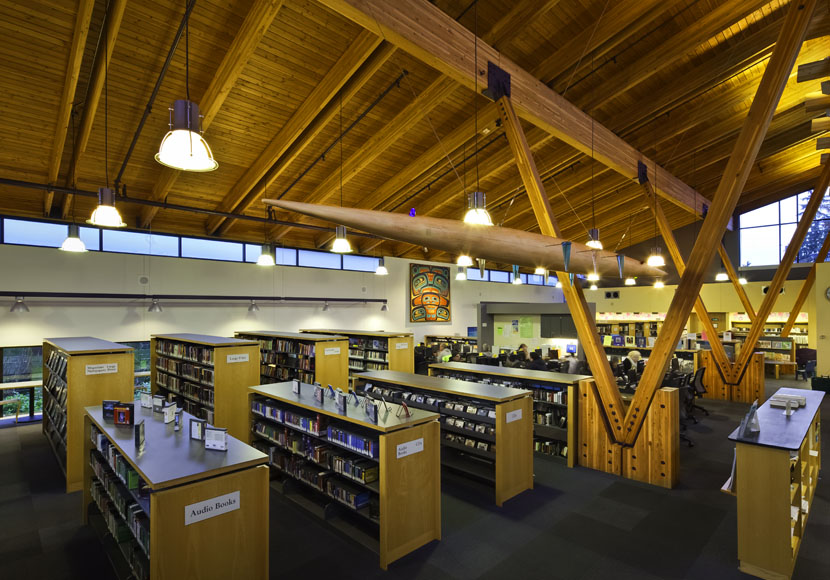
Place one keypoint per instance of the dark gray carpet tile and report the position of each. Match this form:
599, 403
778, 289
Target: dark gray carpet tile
23, 544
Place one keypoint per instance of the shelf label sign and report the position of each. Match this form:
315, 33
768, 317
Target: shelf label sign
235, 358
410, 447
401, 345
210, 508
102, 369
513, 416
332, 350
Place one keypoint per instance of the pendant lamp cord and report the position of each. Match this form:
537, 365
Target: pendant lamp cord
593, 211
106, 95
475, 80
187, 53
341, 148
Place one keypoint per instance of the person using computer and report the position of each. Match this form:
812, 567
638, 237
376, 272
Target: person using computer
523, 352
536, 363
446, 354
631, 360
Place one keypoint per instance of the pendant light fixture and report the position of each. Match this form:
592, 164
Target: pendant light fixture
73, 241
381, 269
461, 275
593, 236
558, 283
253, 307
659, 284
183, 147
464, 260
593, 233
518, 281
540, 271
326, 306
477, 213
384, 307
630, 281
266, 256
593, 277
155, 306
742, 281
19, 305
593, 286
721, 276
341, 243
656, 259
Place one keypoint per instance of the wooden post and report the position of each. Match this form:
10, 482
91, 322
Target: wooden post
585, 323
806, 287
733, 276
726, 198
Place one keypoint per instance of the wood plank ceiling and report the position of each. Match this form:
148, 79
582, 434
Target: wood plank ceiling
673, 78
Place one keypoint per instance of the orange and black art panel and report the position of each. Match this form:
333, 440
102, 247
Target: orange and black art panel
429, 293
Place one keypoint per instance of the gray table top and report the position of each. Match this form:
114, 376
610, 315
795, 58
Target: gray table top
354, 413
172, 457
778, 430
86, 345
205, 339
294, 335
496, 393
541, 376
377, 333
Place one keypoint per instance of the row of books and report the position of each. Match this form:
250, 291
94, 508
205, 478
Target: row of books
779, 356
361, 470
347, 494
196, 393
287, 360
550, 396
285, 346
285, 374
373, 355
468, 425
314, 425
200, 354
548, 447
196, 409
468, 442
122, 468
376, 344
56, 363
628, 340
119, 530
56, 387
776, 344
56, 415
186, 370
396, 393
550, 418
298, 443
131, 512
358, 443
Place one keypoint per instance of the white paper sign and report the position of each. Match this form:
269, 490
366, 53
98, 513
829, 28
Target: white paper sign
102, 369
401, 345
210, 508
235, 358
410, 447
332, 350
513, 416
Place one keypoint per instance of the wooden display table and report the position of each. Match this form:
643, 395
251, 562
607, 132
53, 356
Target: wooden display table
386, 476
150, 505
376, 350
554, 402
777, 365
777, 473
78, 372
487, 430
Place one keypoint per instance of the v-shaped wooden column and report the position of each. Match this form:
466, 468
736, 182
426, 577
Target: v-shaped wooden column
806, 287
733, 276
586, 327
726, 198
724, 366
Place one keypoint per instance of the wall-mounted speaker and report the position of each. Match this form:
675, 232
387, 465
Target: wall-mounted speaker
765, 289
612, 294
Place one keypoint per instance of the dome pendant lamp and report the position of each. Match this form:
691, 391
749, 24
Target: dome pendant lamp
73, 242
477, 210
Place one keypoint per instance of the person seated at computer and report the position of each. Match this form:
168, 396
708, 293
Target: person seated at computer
631, 360
615, 366
536, 363
523, 352
512, 361
573, 364
445, 354
456, 356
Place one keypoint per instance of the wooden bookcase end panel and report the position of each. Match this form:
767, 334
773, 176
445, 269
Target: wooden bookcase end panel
573, 422
654, 457
514, 448
330, 367
595, 448
401, 358
230, 390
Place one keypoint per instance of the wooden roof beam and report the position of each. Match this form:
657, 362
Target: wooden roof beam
257, 22
806, 287
520, 15
431, 36
349, 75
812, 71
726, 198
733, 277
70, 84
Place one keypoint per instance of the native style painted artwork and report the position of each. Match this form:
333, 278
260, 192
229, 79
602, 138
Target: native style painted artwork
429, 293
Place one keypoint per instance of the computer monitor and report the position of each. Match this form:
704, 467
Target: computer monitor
570, 348
641, 365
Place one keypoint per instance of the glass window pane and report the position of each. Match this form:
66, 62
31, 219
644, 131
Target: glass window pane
763, 216
803, 198
475, 274
312, 259
138, 243
211, 250
789, 210
759, 246
142, 355
284, 256
33, 233
552, 279
813, 240
535, 279
499, 276
22, 363
787, 231
360, 263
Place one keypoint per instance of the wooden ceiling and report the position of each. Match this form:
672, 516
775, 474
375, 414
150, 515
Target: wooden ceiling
673, 78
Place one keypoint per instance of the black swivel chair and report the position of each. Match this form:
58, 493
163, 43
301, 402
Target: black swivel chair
687, 399
698, 390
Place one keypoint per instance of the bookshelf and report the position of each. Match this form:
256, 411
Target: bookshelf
622, 351
323, 358
206, 375
459, 341
379, 483
376, 351
136, 499
78, 372
776, 476
554, 402
486, 430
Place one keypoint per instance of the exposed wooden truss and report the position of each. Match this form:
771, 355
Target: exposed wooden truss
733, 278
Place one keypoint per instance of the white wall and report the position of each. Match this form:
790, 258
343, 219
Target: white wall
28, 269
535, 341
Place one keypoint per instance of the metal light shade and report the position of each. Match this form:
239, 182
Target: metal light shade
593, 277
593, 239
656, 259
540, 271
721, 276
155, 306
659, 284
630, 281
477, 210
384, 308
461, 274
326, 306
19, 305
741, 281
184, 147
253, 307
558, 283
381, 269
105, 215
518, 280
266, 257
341, 243
73, 242
464, 260
593, 286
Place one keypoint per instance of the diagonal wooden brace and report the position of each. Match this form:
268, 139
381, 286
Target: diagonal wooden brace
806, 287
733, 276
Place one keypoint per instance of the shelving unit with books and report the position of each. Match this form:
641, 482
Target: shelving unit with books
77, 372
486, 430
459, 341
148, 505
775, 475
376, 351
383, 476
554, 402
207, 375
323, 358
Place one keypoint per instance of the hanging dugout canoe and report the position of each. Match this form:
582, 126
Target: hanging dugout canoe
492, 243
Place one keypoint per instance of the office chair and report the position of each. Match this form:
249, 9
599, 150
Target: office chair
687, 402
641, 366
698, 390
807, 371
